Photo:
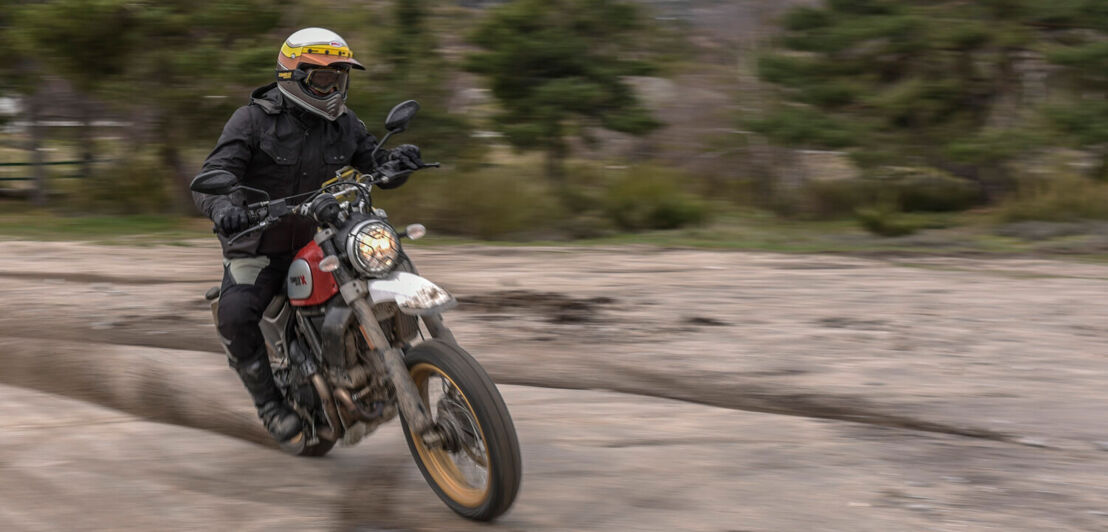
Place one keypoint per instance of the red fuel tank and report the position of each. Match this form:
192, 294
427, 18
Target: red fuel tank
305, 283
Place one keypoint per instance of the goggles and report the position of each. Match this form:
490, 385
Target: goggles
320, 81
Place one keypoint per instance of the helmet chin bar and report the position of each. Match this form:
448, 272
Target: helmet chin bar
330, 107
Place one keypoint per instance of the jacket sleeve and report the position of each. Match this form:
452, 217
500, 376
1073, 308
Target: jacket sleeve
366, 143
232, 153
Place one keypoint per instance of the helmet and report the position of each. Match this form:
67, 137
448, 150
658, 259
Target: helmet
313, 70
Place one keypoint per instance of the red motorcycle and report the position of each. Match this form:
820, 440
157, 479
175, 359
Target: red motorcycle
348, 352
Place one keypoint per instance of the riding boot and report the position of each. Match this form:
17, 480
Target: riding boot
279, 419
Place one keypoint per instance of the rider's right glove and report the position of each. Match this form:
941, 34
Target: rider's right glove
407, 157
230, 219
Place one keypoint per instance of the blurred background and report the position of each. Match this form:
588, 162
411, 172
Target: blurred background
734, 264
792, 125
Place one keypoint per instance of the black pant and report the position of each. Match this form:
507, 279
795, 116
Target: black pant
241, 304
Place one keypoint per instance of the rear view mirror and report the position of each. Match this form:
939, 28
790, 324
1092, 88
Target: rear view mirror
217, 182
400, 115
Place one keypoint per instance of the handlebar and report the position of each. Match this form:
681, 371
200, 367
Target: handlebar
264, 213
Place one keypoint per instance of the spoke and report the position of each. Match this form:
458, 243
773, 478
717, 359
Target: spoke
470, 463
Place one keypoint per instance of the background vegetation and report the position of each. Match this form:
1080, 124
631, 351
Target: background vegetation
913, 122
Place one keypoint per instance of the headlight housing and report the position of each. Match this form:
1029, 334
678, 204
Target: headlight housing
373, 247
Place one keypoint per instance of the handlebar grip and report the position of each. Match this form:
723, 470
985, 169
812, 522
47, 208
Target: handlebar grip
253, 217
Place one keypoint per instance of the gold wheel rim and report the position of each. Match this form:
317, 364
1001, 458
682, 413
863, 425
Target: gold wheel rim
438, 462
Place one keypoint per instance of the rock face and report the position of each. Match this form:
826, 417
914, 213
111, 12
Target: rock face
652, 390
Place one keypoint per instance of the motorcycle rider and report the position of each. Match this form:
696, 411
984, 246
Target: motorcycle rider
291, 138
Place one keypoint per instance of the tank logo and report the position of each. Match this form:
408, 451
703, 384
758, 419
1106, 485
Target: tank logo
298, 280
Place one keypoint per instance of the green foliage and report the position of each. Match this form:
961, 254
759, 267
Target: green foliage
488, 203
799, 126
135, 184
922, 83
823, 200
90, 49
517, 202
165, 56
407, 44
902, 190
886, 221
406, 65
1079, 45
497, 202
174, 63
646, 197
934, 192
1087, 121
442, 136
1060, 199
557, 65
195, 62
991, 146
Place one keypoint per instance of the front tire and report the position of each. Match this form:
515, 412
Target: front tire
472, 407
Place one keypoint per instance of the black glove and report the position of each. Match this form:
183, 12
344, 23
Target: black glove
230, 219
407, 157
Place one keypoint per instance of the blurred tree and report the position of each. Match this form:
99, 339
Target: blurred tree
1077, 33
21, 76
173, 62
557, 66
406, 64
913, 83
406, 43
192, 67
89, 51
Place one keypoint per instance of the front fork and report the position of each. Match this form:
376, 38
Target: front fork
408, 399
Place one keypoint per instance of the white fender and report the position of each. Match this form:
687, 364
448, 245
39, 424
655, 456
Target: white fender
412, 293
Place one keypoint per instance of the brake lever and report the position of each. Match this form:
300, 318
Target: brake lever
387, 177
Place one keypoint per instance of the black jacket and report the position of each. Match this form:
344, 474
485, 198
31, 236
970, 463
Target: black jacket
276, 146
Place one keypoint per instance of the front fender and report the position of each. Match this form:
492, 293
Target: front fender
412, 293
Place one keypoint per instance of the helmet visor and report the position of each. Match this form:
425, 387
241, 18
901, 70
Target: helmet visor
325, 81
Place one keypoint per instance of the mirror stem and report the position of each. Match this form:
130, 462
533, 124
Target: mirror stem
377, 148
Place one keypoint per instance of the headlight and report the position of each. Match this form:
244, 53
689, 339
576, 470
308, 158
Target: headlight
373, 247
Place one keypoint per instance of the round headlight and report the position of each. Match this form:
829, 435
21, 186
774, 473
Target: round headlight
373, 247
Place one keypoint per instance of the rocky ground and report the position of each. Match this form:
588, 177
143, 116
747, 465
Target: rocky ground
652, 390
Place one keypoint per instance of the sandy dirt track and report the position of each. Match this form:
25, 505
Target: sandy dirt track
653, 390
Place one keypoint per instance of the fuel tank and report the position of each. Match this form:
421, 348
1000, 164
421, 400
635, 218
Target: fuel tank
305, 283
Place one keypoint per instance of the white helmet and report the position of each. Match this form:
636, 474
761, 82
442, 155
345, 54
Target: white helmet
313, 70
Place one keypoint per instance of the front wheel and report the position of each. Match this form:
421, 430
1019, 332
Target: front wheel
477, 470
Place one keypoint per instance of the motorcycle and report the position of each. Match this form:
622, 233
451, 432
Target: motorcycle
347, 351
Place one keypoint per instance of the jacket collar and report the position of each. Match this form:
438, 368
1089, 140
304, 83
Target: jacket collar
268, 98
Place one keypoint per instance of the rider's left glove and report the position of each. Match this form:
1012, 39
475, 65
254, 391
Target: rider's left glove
230, 219
407, 157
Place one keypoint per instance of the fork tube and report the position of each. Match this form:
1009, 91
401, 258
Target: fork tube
355, 292
407, 396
